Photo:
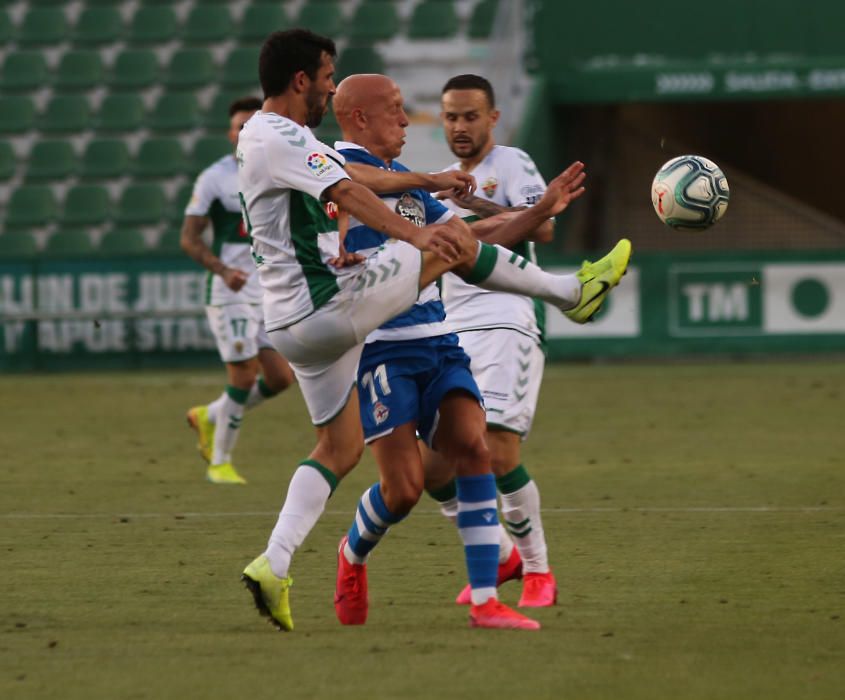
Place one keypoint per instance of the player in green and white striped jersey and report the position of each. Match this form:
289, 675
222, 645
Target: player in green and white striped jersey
255, 371
502, 334
320, 303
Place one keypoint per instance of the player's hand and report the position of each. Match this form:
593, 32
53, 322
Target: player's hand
452, 181
233, 278
440, 240
565, 188
345, 259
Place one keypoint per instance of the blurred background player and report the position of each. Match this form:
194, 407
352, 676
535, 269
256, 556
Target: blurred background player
502, 334
233, 307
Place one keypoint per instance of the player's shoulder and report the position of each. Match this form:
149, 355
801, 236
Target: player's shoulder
221, 168
509, 154
276, 131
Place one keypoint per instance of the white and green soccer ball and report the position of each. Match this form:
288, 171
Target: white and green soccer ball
690, 192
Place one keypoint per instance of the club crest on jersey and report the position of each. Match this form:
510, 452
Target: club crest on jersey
318, 164
380, 413
489, 186
239, 347
411, 209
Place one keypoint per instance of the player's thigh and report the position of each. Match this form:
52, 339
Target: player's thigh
508, 367
235, 328
387, 284
326, 381
400, 468
388, 393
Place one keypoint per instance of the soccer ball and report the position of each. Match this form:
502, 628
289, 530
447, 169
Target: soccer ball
690, 192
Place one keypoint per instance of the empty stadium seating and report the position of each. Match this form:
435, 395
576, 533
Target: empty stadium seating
110, 108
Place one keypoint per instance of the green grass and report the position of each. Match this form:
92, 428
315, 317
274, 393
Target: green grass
695, 517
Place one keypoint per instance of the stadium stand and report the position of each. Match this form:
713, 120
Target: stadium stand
110, 108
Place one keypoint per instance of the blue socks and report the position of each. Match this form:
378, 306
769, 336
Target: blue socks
478, 525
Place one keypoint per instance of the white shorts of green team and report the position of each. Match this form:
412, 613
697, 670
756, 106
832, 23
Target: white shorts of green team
324, 348
238, 330
508, 368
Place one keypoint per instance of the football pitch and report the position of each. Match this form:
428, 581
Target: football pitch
695, 515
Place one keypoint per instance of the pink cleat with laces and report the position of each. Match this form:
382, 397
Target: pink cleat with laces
496, 615
538, 590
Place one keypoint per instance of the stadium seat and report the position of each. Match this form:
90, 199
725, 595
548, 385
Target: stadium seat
259, 20
141, 204
208, 149
42, 26
18, 244
176, 206
134, 68
217, 115
433, 19
482, 18
190, 68
70, 243
358, 59
240, 68
168, 242
8, 161
324, 17
123, 242
205, 24
105, 159
79, 70
30, 205
65, 114
51, 160
17, 114
374, 20
97, 26
174, 111
152, 25
160, 157
6, 28
121, 112
24, 70
86, 205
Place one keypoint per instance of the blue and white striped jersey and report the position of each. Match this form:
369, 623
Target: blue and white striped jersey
427, 317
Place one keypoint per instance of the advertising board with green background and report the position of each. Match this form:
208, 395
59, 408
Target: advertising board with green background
148, 312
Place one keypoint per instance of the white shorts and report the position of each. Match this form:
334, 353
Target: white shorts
323, 349
238, 330
508, 368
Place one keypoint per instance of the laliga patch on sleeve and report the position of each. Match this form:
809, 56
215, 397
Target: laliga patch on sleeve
318, 164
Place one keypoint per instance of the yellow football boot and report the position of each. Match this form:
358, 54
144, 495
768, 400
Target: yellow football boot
597, 279
271, 593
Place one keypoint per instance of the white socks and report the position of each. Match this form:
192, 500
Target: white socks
309, 489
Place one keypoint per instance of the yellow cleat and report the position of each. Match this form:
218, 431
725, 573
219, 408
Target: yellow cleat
198, 420
271, 593
223, 474
597, 279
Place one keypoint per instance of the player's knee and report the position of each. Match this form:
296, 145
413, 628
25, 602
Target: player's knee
401, 497
471, 454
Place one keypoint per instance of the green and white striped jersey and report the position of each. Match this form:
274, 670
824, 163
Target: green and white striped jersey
506, 176
283, 171
215, 195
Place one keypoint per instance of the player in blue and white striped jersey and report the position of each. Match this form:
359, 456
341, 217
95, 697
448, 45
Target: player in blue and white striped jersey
413, 377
